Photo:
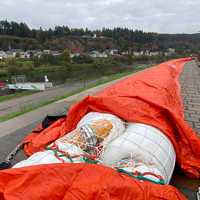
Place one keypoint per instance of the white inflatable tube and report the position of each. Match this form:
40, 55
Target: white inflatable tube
142, 148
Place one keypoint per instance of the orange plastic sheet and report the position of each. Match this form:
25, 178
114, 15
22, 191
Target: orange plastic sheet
36, 141
78, 182
151, 97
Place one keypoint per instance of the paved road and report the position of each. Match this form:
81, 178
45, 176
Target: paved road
14, 105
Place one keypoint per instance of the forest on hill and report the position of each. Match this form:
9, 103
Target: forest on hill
19, 35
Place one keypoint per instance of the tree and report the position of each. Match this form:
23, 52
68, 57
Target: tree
13, 70
68, 67
99, 66
65, 57
11, 61
36, 61
83, 58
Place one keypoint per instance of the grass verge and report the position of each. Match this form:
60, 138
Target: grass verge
16, 95
33, 107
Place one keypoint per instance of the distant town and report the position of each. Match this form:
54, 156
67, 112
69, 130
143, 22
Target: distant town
19, 53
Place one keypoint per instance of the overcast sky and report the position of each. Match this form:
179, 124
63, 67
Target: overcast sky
162, 16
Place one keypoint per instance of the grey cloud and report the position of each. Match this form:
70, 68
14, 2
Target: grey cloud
154, 16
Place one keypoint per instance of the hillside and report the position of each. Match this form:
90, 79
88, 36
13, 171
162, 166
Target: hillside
14, 35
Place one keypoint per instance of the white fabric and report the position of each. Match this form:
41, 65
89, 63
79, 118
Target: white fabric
117, 129
146, 147
47, 157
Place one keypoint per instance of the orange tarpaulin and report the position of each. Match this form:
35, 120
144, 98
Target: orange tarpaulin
78, 182
152, 97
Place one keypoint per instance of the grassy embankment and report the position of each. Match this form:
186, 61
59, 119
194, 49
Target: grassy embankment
30, 108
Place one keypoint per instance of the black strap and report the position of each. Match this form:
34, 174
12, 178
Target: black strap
5, 165
47, 122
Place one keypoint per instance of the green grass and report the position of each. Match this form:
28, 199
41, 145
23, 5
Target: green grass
33, 107
16, 95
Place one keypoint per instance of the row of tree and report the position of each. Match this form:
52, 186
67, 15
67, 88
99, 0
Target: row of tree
122, 38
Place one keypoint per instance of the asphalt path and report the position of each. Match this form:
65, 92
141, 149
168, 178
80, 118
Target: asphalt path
14, 105
9, 142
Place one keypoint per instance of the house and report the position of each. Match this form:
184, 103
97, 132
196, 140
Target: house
146, 53
86, 36
140, 53
2, 55
10, 54
17, 50
74, 54
104, 55
171, 50
46, 51
37, 53
96, 54
125, 53
28, 54
136, 53
154, 53
55, 53
114, 52
166, 53
22, 54
18, 53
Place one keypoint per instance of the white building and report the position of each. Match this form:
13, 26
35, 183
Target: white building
125, 53
171, 50
138, 53
74, 54
96, 54
2, 54
114, 52
10, 54
154, 53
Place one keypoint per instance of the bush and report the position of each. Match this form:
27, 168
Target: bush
13, 70
36, 61
99, 66
83, 58
123, 59
3, 64
26, 70
11, 61
64, 57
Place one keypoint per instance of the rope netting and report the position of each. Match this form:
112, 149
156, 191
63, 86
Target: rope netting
101, 138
